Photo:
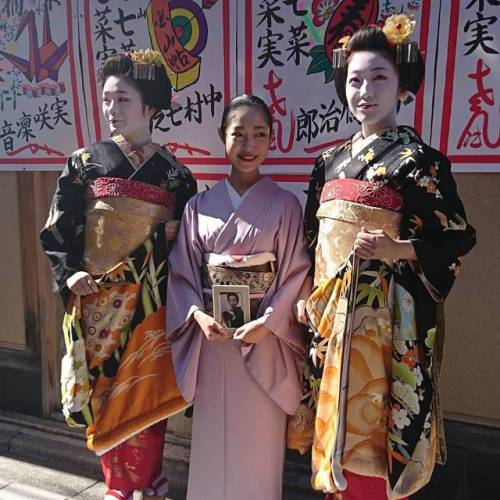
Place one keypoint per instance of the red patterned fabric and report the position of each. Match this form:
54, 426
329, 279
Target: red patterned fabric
361, 488
373, 194
136, 463
104, 187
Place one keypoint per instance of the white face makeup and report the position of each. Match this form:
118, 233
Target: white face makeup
124, 110
247, 138
372, 89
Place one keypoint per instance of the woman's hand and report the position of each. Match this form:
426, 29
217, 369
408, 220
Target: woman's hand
251, 333
171, 229
212, 330
377, 244
300, 312
81, 283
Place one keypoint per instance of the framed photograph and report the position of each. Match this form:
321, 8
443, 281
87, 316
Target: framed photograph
231, 305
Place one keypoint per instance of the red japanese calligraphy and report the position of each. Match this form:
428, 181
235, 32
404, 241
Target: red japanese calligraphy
278, 109
477, 130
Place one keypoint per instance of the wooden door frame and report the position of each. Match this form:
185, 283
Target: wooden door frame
42, 309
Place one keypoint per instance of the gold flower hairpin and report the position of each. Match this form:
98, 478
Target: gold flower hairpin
398, 28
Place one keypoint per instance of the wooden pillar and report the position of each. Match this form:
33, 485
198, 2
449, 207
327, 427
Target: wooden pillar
43, 312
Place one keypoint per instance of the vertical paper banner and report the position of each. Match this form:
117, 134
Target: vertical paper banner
288, 62
469, 128
215, 49
196, 40
40, 91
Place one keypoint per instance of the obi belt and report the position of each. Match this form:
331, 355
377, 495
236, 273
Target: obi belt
257, 271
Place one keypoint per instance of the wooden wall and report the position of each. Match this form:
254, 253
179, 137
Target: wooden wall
30, 314
470, 378
12, 326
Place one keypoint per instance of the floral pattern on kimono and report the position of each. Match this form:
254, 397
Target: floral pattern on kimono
380, 318
115, 338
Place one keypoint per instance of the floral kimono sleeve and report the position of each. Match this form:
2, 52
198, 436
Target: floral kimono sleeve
434, 220
311, 222
62, 237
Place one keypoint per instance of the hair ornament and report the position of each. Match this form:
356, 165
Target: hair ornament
339, 58
398, 29
407, 52
407, 97
146, 56
145, 61
144, 64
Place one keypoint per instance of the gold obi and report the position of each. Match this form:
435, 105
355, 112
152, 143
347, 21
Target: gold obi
115, 227
339, 223
258, 278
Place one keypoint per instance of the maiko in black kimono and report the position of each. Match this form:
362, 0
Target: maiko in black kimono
377, 344
108, 218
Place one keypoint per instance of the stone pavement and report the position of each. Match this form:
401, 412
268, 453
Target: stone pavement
42, 459
24, 480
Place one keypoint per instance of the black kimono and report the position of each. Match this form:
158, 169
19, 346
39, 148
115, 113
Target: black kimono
108, 218
370, 385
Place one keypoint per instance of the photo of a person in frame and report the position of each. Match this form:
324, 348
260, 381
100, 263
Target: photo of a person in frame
233, 300
227, 318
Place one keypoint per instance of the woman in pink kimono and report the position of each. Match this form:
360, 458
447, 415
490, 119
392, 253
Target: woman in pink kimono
246, 230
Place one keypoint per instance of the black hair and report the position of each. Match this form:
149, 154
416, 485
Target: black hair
251, 101
156, 93
234, 295
372, 39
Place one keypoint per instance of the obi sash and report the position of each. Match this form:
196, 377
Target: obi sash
346, 206
120, 215
257, 271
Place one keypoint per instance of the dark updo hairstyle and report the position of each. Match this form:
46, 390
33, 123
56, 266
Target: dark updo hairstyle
372, 39
156, 93
233, 294
251, 101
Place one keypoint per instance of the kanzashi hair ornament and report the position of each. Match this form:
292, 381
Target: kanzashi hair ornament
144, 63
407, 52
397, 29
340, 55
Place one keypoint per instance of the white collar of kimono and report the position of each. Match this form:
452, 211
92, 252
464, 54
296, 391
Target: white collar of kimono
256, 259
234, 196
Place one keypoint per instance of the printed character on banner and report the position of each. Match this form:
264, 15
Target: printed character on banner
33, 77
179, 31
288, 34
479, 131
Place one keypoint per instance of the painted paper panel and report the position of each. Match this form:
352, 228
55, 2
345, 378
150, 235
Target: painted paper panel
40, 107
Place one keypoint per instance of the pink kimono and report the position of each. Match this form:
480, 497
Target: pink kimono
241, 393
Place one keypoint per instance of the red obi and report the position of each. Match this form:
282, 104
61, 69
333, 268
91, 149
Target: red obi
373, 194
104, 187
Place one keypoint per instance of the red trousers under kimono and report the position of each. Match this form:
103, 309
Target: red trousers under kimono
137, 462
361, 488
